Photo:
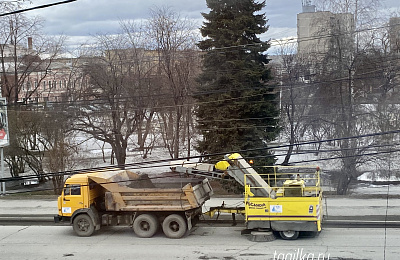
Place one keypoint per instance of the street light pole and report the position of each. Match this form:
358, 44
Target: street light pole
3, 184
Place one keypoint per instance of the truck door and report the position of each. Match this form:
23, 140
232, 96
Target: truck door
72, 199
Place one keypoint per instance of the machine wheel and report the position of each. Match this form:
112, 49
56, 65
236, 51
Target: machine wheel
289, 235
145, 225
83, 225
174, 226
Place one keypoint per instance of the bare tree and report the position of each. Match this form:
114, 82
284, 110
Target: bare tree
178, 62
343, 77
58, 143
355, 90
22, 48
116, 99
296, 91
42, 143
144, 71
366, 14
21, 51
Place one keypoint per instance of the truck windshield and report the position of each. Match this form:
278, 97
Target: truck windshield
72, 189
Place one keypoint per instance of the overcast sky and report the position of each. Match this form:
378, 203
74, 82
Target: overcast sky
88, 17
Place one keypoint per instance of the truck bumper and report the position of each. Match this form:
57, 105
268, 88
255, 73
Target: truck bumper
294, 225
57, 219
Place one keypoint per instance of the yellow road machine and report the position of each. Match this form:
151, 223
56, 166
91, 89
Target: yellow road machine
287, 200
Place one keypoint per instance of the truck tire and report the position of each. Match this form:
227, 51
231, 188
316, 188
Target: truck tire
289, 234
174, 226
83, 225
145, 225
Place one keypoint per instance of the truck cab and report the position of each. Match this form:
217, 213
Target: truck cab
73, 197
76, 204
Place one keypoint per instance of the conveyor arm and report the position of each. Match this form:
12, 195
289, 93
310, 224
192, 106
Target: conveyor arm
234, 165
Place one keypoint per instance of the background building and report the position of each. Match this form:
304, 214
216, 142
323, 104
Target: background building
394, 35
315, 29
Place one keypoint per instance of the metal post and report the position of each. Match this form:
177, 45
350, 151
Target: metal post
2, 172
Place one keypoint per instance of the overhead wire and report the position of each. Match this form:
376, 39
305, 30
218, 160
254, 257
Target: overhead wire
177, 174
299, 85
37, 7
66, 1
311, 38
281, 86
329, 35
151, 164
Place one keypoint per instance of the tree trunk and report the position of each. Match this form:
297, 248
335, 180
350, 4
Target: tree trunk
177, 132
120, 155
348, 173
343, 184
291, 142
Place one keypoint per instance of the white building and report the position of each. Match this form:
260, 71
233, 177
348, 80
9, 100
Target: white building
315, 30
394, 35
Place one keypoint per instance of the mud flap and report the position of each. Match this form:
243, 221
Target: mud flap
189, 222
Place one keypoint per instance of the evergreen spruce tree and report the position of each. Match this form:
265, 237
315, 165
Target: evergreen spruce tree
237, 108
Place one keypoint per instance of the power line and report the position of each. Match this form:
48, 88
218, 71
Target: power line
221, 90
348, 156
37, 7
133, 165
172, 174
305, 39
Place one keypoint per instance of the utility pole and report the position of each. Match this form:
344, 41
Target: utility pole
3, 184
4, 140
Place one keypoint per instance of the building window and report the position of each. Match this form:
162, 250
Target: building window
44, 85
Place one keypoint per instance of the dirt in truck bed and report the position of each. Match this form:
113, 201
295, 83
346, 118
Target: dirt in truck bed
171, 180
175, 180
143, 182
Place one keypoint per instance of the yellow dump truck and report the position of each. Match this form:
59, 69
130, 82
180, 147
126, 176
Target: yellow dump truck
92, 200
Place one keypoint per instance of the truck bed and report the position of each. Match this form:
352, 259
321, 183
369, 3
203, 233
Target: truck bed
156, 199
128, 191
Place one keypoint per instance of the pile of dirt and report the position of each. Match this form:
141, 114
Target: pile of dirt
142, 182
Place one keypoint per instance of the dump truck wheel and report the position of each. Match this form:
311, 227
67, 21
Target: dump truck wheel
174, 226
83, 225
289, 235
145, 225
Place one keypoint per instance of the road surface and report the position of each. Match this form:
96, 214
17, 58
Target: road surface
206, 242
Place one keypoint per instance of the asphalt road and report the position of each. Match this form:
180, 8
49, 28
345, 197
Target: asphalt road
206, 242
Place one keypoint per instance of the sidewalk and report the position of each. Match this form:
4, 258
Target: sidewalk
22, 207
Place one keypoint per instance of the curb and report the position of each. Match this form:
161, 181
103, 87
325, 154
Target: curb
9, 219
48, 219
361, 224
